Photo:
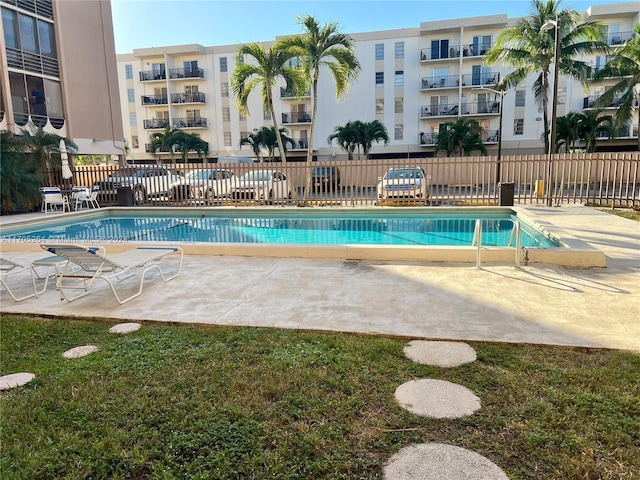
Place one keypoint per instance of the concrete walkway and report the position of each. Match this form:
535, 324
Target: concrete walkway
541, 304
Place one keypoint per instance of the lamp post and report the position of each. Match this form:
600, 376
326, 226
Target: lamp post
553, 25
502, 94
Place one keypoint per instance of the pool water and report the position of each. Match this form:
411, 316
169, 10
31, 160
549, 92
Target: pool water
343, 229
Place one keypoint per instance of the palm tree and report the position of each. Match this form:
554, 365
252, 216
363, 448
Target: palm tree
254, 139
270, 65
567, 132
190, 141
346, 136
463, 136
266, 138
164, 141
625, 66
373, 131
591, 126
322, 46
41, 145
530, 49
20, 174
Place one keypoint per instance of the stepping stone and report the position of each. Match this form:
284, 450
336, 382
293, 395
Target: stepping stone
437, 461
15, 380
125, 328
437, 399
78, 352
440, 354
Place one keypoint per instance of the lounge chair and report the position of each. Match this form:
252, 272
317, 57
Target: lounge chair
9, 268
95, 264
52, 198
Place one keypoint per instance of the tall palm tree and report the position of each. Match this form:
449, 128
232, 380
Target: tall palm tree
269, 66
164, 141
530, 49
346, 136
463, 136
625, 66
322, 46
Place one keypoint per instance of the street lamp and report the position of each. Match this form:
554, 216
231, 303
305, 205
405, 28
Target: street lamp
502, 94
553, 25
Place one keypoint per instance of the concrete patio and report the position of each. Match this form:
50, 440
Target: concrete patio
539, 304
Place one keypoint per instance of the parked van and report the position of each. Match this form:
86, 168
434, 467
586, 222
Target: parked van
232, 159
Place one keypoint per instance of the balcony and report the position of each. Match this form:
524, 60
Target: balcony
176, 73
154, 123
491, 136
296, 117
300, 144
590, 102
176, 149
429, 138
468, 108
453, 81
153, 100
470, 50
197, 97
190, 122
284, 93
442, 110
152, 76
619, 38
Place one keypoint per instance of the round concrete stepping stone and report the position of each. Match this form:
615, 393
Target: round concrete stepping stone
437, 399
78, 352
15, 380
125, 328
440, 354
437, 461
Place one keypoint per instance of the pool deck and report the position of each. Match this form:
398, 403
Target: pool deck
537, 304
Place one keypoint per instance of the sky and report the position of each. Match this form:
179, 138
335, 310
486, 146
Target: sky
158, 23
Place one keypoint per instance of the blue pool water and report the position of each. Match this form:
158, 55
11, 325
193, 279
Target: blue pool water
334, 229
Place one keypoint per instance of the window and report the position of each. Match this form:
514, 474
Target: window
399, 80
399, 129
132, 119
294, 62
379, 51
399, 49
128, 70
10, 25
226, 114
131, 95
480, 45
439, 49
518, 126
379, 106
224, 89
379, 79
227, 139
223, 64
399, 105
47, 39
134, 142
520, 96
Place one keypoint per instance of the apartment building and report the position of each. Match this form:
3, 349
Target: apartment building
58, 72
413, 80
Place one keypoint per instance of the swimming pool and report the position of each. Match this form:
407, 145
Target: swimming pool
423, 229
415, 234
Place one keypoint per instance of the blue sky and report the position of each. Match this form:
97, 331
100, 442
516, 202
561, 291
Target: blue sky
156, 23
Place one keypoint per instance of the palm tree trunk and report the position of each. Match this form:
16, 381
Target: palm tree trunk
283, 156
545, 107
314, 110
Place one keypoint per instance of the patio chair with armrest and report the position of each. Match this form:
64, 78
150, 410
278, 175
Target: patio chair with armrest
94, 264
84, 197
52, 198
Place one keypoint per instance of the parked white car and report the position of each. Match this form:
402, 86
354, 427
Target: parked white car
404, 183
261, 186
202, 184
145, 181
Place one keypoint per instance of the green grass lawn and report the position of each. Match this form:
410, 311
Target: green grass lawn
625, 213
193, 402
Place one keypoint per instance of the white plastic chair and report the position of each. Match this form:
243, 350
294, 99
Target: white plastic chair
9, 269
52, 198
83, 197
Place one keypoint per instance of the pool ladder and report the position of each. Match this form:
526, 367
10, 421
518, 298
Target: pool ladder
516, 234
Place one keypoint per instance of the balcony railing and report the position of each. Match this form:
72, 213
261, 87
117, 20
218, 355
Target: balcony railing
197, 97
454, 51
284, 93
431, 138
152, 75
148, 100
590, 102
300, 144
296, 117
190, 122
155, 123
453, 81
491, 136
619, 38
186, 73
176, 149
